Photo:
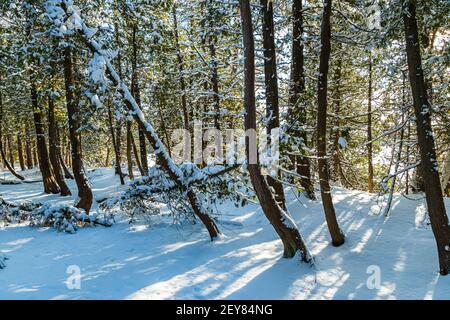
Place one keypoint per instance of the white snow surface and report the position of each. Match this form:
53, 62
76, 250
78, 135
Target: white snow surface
167, 261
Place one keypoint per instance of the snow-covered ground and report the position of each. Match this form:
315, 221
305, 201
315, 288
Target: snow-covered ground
166, 261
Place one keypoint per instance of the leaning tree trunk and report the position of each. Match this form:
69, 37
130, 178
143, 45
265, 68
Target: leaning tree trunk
85, 195
337, 235
164, 159
280, 220
271, 84
50, 184
53, 148
296, 107
422, 108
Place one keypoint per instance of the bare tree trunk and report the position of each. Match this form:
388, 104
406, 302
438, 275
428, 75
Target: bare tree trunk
136, 156
136, 94
296, 107
28, 147
129, 150
337, 235
53, 148
435, 203
280, 220
184, 107
85, 196
271, 84
20, 152
50, 184
370, 185
10, 150
116, 147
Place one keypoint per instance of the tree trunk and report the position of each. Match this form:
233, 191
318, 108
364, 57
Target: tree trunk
129, 150
118, 168
136, 95
85, 196
50, 184
435, 203
322, 89
280, 220
28, 147
54, 149
20, 152
296, 106
370, 185
271, 86
187, 127
10, 150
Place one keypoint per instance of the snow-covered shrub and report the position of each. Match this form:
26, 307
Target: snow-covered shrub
213, 185
64, 218
16, 213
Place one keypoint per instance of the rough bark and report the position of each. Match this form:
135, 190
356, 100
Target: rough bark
136, 95
186, 120
370, 185
337, 235
50, 184
129, 151
28, 152
54, 149
297, 109
85, 196
435, 203
20, 152
282, 223
271, 86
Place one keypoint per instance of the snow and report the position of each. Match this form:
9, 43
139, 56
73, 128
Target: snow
392, 258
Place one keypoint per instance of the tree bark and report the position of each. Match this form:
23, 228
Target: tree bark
186, 120
85, 196
337, 235
422, 108
271, 86
280, 220
297, 109
50, 184
28, 147
10, 150
54, 149
136, 95
370, 185
129, 150
20, 152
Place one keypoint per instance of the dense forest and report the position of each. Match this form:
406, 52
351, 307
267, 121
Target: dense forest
200, 104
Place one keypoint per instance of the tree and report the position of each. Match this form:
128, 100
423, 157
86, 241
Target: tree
280, 220
271, 86
422, 110
85, 196
296, 99
337, 235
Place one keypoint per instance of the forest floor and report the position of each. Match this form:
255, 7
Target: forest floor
161, 260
